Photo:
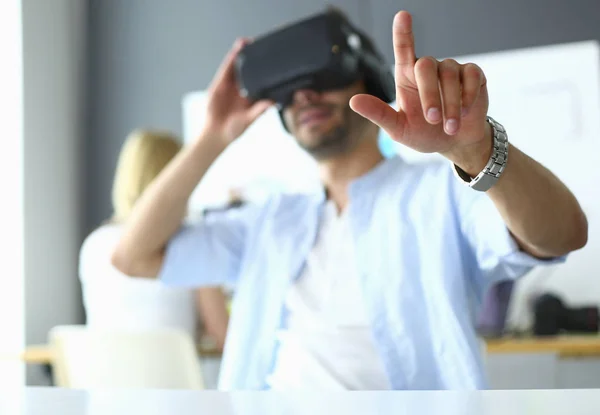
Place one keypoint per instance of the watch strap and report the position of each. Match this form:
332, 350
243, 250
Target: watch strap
495, 165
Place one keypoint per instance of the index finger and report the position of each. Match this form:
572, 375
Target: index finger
404, 45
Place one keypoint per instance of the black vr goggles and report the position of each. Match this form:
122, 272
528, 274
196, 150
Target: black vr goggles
323, 52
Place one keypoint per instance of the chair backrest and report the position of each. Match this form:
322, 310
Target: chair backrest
87, 358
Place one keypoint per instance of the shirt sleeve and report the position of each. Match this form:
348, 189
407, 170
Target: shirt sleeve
210, 252
496, 254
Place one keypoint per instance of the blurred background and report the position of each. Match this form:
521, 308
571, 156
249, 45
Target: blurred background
79, 75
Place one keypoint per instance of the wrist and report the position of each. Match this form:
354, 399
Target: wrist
207, 146
473, 157
209, 140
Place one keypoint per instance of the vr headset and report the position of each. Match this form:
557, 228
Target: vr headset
321, 53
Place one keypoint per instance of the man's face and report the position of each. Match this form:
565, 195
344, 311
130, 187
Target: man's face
323, 123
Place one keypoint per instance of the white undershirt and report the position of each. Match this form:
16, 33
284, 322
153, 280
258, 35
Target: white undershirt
328, 342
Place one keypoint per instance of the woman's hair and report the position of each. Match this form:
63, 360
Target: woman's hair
143, 155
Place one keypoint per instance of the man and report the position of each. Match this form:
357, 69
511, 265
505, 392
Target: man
368, 285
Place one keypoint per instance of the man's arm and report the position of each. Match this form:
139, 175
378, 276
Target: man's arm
159, 213
442, 107
539, 210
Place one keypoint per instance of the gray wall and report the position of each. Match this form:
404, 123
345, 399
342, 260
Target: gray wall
54, 35
145, 54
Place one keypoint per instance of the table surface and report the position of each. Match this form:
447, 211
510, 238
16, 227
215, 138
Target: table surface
55, 401
564, 346
42, 353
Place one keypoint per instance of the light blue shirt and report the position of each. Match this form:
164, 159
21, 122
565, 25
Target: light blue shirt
427, 247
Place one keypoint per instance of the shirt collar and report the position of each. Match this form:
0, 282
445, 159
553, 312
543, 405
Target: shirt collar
369, 181
373, 178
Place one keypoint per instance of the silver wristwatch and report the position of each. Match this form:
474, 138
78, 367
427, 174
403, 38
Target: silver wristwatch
496, 164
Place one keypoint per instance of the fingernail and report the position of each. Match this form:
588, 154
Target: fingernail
433, 114
463, 112
451, 126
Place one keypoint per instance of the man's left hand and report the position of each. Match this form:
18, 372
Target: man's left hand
441, 105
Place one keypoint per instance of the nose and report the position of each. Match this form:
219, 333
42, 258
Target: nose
305, 96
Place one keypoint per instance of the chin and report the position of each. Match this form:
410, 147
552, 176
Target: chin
325, 142
328, 148
315, 139
317, 134
328, 151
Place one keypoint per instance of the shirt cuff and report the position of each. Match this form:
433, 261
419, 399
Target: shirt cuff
180, 263
519, 262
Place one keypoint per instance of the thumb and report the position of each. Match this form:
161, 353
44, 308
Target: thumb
379, 113
257, 109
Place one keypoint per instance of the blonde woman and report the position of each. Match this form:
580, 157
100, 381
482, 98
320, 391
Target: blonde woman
114, 300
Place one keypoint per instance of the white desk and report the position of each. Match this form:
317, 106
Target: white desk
54, 401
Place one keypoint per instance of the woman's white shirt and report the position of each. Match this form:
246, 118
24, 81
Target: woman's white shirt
113, 300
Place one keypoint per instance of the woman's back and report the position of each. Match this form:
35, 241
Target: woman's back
113, 300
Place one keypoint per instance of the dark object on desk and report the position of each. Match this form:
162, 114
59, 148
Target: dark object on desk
552, 316
322, 52
492, 320
232, 205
